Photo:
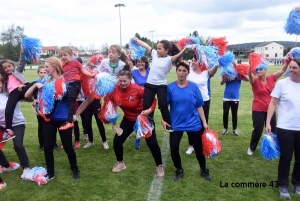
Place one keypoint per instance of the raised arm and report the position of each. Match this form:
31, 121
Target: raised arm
30, 91
213, 70
282, 70
251, 76
180, 54
143, 44
22, 62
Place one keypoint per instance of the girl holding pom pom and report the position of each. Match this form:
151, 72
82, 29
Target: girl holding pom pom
285, 95
156, 84
132, 105
262, 87
186, 109
72, 69
16, 85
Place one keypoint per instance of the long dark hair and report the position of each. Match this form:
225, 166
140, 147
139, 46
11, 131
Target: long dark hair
3, 73
146, 61
172, 48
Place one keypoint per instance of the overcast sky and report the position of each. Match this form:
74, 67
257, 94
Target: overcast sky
95, 22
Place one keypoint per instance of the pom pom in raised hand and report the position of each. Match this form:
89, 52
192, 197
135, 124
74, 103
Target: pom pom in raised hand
143, 126
269, 147
104, 84
292, 25
293, 53
210, 143
182, 43
32, 49
206, 55
136, 51
242, 70
220, 43
256, 62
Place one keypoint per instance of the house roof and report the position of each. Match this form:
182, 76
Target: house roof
266, 43
55, 48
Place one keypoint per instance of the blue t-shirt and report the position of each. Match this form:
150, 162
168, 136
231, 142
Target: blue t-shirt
232, 90
61, 111
138, 78
183, 106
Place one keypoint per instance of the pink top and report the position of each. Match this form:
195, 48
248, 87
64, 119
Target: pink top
262, 93
12, 83
72, 71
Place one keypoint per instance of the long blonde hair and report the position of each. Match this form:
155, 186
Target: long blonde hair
55, 63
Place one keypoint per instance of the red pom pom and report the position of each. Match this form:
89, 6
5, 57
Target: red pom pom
144, 123
59, 90
220, 43
210, 143
183, 42
87, 83
1, 136
254, 61
202, 67
96, 59
242, 70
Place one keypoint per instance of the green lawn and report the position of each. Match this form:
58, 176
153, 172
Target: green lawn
99, 183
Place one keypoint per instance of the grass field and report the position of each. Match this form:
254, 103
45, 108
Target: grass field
97, 181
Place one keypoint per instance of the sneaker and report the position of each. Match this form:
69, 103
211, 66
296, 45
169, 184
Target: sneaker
88, 145
66, 126
169, 129
77, 145
234, 132
85, 137
49, 176
178, 175
284, 193
297, 190
41, 149
2, 185
62, 146
206, 175
190, 150
224, 131
118, 130
76, 174
12, 166
160, 171
55, 147
25, 170
105, 145
137, 143
75, 118
119, 166
7, 135
44, 116
249, 152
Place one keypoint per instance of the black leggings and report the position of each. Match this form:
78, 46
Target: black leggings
13, 98
73, 91
161, 91
196, 142
234, 105
127, 127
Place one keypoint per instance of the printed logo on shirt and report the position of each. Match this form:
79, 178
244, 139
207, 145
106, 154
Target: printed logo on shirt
130, 98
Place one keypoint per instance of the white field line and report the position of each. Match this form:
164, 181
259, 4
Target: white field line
157, 183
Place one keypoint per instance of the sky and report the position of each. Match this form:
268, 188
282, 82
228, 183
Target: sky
93, 23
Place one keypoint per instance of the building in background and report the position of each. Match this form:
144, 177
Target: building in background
270, 50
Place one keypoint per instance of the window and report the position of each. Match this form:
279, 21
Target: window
275, 54
280, 47
266, 48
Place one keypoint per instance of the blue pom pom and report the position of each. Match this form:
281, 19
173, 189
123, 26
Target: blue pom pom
105, 84
226, 60
32, 49
48, 97
207, 55
292, 25
136, 51
295, 52
269, 147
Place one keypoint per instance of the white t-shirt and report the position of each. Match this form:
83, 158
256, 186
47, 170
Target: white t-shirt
18, 117
105, 67
201, 81
160, 67
287, 92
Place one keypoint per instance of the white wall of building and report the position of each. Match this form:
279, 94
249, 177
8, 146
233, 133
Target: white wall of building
270, 51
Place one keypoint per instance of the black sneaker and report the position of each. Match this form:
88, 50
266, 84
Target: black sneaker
206, 175
76, 174
234, 132
178, 175
224, 131
284, 193
49, 176
41, 149
56, 147
169, 129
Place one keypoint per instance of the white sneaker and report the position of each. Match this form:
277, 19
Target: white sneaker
190, 150
249, 152
25, 170
74, 118
12, 166
88, 145
105, 145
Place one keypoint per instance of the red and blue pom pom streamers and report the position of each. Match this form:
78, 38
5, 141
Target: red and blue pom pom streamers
105, 83
242, 70
254, 60
136, 51
269, 147
37, 174
188, 41
32, 49
60, 88
292, 25
96, 59
220, 43
143, 126
210, 143
207, 55
293, 53
109, 112
225, 62
87, 83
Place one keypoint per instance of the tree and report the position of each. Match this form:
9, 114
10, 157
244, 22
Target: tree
104, 49
11, 39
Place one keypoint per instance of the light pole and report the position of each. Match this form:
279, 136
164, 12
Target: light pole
152, 38
120, 5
